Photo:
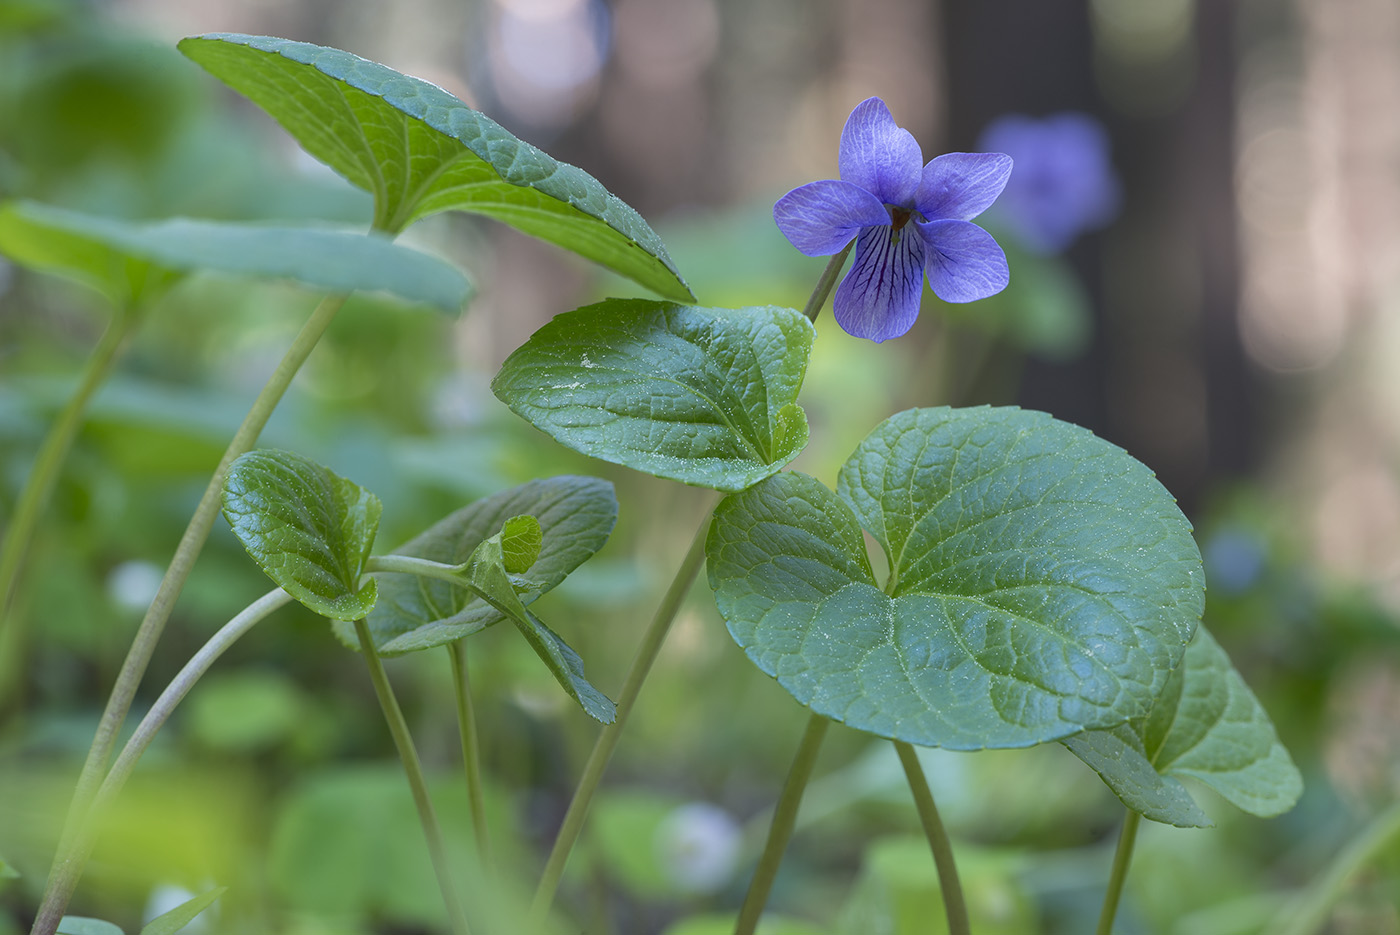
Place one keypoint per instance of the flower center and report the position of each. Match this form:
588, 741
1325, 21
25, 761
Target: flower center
898, 216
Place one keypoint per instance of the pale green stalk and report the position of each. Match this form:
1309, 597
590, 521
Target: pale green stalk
824, 284
607, 740
413, 769
780, 831
1121, 858
1307, 913
471, 747
953, 903
44, 474
86, 834
63, 874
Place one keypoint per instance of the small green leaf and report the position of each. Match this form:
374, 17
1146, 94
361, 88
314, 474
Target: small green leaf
309, 529
419, 150
521, 539
82, 925
1208, 725
183, 914
135, 260
8, 872
485, 573
576, 516
701, 395
1042, 581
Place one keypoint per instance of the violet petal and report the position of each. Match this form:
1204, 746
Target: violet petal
879, 298
964, 263
820, 218
962, 185
880, 156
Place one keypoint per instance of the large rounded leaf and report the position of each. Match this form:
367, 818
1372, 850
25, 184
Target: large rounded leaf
1042, 582
1208, 725
419, 150
133, 260
707, 396
576, 515
310, 530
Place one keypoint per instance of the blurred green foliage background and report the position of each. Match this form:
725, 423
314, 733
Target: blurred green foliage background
275, 778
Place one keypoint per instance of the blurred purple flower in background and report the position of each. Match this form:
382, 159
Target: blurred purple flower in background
1064, 183
908, 219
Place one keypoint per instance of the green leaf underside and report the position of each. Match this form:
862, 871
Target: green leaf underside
419, 150
576, 515
487, 576
131, 260
1208, 725
700, 395
83, 925
310, 530
183, 914
1043, 582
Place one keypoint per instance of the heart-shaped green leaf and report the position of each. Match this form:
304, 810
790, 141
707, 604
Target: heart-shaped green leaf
419, 150
1042, 582
1206, 724
486, 575
134, 260
182, 915
576, 515
309, 529
707, 396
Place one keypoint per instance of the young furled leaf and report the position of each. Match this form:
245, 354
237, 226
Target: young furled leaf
310, 530
419, 150
575, 516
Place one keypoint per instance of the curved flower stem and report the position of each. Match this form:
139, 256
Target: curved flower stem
1306, 914
413, 768
953, 902
62, 876
52, 452
780, 831
607, 739
85, 837
1121, 858
471, 748
825, 283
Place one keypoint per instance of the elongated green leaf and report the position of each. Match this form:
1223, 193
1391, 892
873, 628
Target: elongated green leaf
1207, 724
82, 925
487, 576
576, 516
707, 396
309, 529
183, 914
135, 260
1042, 582
419, 150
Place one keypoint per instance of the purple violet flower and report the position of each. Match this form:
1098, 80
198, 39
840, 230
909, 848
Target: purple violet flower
1064, 182
908, 220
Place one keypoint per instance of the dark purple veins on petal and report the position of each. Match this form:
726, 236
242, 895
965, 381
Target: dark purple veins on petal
879, 298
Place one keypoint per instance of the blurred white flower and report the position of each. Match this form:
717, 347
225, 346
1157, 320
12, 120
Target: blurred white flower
133, 585
698, 845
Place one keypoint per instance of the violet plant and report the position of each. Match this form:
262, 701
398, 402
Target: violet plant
1038, 584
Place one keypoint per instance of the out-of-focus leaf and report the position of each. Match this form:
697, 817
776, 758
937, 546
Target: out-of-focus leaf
1208, 725
183, 914
419, 150
701, 395
310, 530
82, 925
135, 260
1041, 581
